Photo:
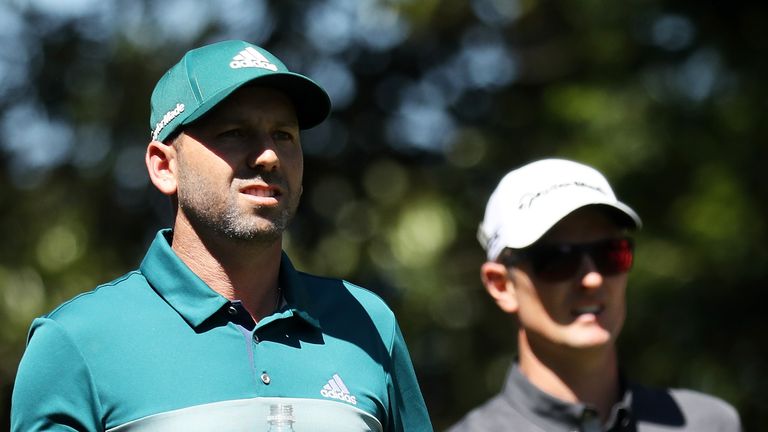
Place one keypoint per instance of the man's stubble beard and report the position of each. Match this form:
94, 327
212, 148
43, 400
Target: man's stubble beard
227, 219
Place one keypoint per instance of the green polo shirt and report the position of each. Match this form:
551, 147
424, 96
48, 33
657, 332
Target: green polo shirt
158, 350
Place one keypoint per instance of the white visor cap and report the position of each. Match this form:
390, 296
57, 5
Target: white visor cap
532, 199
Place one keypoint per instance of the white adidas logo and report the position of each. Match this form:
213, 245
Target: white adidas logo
251, 57
335, 389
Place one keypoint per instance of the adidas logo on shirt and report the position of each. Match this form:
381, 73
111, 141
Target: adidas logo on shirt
251, 57
335, 389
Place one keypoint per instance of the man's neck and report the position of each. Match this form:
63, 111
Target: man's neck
573, 375
238, 270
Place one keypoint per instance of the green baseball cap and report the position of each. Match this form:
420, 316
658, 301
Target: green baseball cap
205, 76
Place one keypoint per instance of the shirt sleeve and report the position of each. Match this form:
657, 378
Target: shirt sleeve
407, 408
54, 390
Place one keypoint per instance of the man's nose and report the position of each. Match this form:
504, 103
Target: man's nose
591, 278
263, 155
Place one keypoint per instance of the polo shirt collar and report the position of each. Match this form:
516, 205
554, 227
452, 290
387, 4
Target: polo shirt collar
551, 413
196, 302
297, 295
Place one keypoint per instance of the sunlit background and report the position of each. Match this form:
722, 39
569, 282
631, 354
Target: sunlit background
434, 100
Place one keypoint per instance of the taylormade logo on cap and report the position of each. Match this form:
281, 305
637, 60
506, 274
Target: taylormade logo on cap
167, 118
530, 200
527, 200
207, 75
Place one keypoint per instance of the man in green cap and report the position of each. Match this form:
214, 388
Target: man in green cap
216, 331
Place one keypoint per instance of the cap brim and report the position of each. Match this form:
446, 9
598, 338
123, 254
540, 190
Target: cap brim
625, 217
311, 102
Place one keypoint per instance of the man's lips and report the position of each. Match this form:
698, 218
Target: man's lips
262, 193
259, 192
594, 309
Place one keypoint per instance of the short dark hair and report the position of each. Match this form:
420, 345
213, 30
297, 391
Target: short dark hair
510, 257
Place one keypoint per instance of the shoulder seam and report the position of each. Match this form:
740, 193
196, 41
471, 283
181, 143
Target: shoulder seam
346, 283
88, 293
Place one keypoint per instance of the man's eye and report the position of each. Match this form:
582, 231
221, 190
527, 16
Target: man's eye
283, 136
232, 133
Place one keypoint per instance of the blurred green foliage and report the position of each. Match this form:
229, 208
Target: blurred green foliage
434, 101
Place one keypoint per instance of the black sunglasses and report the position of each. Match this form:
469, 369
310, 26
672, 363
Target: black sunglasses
556, 262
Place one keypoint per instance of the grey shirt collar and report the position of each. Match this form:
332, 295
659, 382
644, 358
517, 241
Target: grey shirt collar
550, 413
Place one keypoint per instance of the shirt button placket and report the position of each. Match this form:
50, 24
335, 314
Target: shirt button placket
590, 422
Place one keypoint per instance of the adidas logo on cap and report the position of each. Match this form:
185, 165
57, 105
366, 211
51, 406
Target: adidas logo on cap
251, 57
335, 389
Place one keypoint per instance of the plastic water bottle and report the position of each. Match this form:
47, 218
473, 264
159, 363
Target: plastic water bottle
280, 418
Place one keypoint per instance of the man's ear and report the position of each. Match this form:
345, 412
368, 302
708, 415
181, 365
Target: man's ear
161, 165
495, 277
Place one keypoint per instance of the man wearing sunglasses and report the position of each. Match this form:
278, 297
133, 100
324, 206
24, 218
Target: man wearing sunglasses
558, 253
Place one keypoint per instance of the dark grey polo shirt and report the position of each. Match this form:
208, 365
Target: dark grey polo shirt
522, 407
